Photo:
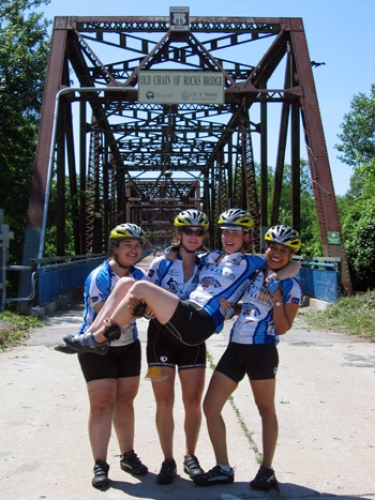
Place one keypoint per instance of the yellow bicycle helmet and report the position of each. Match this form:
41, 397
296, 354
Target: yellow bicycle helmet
284, 235
127, 230
191, 217
236, 218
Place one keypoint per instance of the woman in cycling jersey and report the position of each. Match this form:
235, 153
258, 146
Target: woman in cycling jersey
112, 378
177, 272
268, 310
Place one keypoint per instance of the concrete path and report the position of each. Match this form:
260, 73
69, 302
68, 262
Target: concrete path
325, 404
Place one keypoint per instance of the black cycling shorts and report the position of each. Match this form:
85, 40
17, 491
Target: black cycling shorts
189, 325
163, 350
118, 362
258, 361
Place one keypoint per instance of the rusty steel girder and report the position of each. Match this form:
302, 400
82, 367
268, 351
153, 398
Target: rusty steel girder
144, 162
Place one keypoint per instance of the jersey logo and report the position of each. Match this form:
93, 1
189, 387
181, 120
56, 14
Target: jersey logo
174, 286
173, 272
210, 281
227, 273
248, 310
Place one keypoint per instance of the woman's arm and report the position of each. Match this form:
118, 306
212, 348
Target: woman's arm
289, 271
283, 314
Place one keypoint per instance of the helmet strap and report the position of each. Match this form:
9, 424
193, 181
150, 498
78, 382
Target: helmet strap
115, 258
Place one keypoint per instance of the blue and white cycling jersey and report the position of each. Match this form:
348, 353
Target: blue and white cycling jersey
169, 274
98, 285
226, 277
255, 323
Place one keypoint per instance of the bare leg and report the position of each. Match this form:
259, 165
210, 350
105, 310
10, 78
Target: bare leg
192, 385
164, 395
264, 395
118, 310
118, 293
219, 390
102, 394
127, 389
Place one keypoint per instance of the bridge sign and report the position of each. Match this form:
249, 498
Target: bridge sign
181, 87
333, 238
179, 19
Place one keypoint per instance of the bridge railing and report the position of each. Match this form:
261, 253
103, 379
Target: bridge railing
57, 276
320, 278
60, 278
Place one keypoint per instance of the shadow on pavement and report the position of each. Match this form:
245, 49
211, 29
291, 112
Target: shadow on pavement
184, 489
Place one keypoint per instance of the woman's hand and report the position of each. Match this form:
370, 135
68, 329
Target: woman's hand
149, 313
146, 311
228, 309
171, 255
133, 303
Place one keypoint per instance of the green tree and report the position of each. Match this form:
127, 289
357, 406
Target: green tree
358, 131
24, 44
357, 207
357, 211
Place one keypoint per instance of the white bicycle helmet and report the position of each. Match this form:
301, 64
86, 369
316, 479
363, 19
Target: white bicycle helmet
284, 235
191, 217
236, 218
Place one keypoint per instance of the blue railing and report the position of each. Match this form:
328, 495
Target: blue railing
318, 278
60, 278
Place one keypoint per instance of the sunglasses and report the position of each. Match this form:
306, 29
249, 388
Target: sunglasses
197, 232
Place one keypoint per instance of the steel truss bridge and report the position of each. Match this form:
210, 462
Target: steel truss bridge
116, 159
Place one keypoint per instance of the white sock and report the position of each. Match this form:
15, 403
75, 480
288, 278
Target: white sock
226, 468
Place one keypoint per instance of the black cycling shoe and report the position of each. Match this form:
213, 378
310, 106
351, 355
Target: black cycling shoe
265, 479
131, 463
216, 475
86, 343
65, 349
192, 467
167, 472
100, 479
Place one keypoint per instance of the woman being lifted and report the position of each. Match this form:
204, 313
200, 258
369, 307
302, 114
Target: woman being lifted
224, 275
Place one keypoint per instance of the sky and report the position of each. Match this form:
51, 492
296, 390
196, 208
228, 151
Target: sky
339, 33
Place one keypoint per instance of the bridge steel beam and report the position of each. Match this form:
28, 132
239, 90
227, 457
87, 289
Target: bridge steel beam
165, 149
318, 157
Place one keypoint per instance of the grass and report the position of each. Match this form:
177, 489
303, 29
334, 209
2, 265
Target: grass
351, 315
15, 328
